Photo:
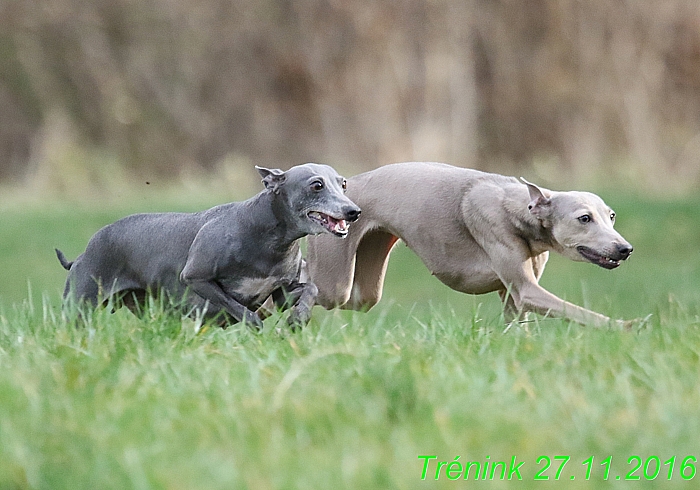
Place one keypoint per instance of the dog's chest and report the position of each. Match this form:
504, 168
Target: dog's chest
252, 280
254, 290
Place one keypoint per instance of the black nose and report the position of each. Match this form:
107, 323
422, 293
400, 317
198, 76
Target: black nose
625, 250
351, 214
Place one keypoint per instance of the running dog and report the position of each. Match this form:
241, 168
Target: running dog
223, 262
477, 232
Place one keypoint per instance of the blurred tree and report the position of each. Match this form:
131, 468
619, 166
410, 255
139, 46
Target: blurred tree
162, 86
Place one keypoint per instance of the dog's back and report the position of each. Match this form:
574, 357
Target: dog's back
115, 258
418, 202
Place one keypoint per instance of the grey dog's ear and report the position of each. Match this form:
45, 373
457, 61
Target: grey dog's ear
539, 203
272, 178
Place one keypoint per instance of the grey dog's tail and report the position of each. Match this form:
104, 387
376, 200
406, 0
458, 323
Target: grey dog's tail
62, 259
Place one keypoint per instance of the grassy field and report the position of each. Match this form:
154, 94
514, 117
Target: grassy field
357, 401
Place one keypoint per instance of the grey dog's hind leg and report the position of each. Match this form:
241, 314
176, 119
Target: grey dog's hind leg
79, 287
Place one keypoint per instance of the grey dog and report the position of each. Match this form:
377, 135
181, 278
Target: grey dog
477, 232
223, 262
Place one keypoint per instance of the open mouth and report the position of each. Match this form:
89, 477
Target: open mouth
339, 227
598, 259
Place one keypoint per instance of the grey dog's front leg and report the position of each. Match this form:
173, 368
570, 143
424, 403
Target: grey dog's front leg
300, 297
211, 291
301, 311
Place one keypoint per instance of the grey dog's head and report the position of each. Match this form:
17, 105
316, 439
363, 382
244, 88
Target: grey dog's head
581, 225
315, 195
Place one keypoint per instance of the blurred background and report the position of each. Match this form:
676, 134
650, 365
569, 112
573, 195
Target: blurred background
97, 93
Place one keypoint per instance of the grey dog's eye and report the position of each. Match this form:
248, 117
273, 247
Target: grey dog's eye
345, 185
317, 185
586, 218
612, 217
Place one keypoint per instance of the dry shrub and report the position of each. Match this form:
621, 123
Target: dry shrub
567, 89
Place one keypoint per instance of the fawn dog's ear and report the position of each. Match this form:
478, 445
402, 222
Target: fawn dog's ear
539, 205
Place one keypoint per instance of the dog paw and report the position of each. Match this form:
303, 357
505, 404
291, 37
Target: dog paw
625, 324
637, 323
252, 320
298, 318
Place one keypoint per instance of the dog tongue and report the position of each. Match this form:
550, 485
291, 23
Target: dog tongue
337, 225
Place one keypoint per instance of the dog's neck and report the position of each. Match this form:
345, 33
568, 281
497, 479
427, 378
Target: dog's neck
535, 231
276, 221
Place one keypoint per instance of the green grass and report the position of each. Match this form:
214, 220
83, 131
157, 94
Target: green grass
353, 400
